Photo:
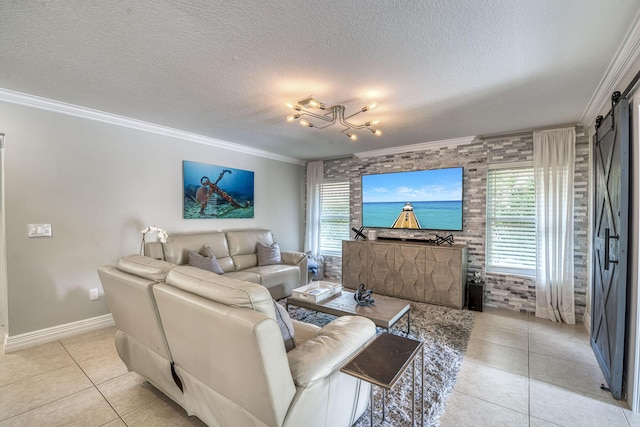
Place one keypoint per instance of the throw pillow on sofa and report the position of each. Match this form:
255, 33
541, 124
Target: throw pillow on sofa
269, 255
206, 261
286, 326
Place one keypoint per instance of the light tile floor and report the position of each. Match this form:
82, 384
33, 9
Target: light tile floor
522, 371
80, 381
518, 371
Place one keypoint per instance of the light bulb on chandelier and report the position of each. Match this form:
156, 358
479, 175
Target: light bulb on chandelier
369, 107
334, 114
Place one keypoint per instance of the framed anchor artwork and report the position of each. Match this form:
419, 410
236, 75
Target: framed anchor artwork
212, 191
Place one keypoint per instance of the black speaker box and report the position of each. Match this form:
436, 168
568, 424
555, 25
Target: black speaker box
475, 296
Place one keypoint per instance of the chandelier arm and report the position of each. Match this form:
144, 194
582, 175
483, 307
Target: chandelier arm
344, 122
332, 114
331, 121
351, 125
317, 116
354, 114
325, 126
345, 129
351, 136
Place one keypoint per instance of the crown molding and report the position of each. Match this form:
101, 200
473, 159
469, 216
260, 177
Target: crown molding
40, 103
445, 143
620, 66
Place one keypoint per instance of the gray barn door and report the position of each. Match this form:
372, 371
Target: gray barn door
610, 236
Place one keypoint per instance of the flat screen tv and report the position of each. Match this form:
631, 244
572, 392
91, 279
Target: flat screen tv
425, 200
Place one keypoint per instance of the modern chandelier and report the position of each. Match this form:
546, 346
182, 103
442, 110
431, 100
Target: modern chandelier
331, 115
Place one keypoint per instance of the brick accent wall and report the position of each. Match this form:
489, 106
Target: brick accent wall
503, 291
582, 184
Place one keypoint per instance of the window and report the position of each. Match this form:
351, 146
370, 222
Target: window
511, 219
334, 218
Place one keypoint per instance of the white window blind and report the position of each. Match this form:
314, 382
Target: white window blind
334, 219
511, 220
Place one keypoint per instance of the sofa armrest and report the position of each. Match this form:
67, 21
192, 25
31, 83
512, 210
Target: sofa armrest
299, 259
320, 356
303, 331
292, 258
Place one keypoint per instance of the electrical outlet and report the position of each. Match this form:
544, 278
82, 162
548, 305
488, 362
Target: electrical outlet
93, 294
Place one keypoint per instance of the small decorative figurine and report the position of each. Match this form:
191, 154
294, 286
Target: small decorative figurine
477, 277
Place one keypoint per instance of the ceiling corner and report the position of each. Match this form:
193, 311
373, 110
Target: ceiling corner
620, 66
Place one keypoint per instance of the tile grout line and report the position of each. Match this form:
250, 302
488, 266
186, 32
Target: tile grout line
45, 404
490, 402
44, 373
582, 392
95, 386
497, 368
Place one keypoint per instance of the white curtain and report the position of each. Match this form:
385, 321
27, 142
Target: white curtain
315, 171
553, 162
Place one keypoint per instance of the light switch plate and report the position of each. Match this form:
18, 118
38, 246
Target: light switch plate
39, 230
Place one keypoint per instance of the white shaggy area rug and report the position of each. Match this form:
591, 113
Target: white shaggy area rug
445, 332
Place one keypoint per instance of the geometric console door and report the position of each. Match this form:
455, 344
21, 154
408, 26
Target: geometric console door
610, 242
411, 270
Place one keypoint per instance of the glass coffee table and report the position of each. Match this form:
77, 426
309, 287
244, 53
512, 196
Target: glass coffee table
385, 312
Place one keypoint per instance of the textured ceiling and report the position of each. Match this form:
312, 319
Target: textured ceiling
224, 69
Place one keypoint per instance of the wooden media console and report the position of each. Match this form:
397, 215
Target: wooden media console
411, 269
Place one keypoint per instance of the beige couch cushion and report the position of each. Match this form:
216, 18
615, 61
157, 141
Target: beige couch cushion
176, 250
246, 275
149, 268
275, 274
242, 246
222, 289
314, 359
280, 279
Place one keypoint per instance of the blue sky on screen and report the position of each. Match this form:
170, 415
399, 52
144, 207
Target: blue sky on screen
415, 186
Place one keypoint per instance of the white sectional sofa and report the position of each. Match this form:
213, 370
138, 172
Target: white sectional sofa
212, 343
236, 253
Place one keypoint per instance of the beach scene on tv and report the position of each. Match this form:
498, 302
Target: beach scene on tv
426, 199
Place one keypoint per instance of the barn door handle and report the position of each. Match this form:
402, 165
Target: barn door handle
607, 237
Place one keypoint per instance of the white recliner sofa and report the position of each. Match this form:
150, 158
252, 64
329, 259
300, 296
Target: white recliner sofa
237, 254
213, 345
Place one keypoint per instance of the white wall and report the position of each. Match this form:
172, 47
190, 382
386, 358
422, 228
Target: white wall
99, 184
3, 276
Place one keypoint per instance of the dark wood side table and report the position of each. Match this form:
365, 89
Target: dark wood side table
383, 362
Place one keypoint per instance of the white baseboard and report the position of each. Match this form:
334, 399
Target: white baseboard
42, 336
